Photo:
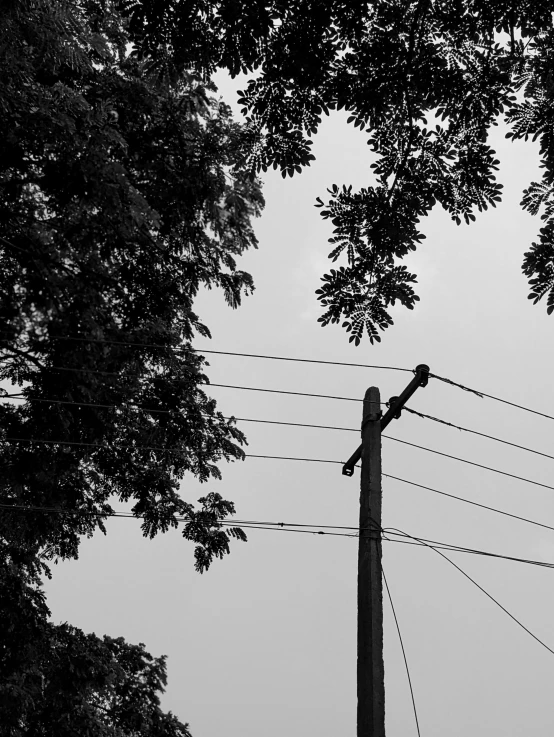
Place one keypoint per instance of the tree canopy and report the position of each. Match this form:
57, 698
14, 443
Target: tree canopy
426, 80
124, 189
55, 680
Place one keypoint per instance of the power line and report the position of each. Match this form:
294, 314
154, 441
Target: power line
475, 432
288, 358
280, 391
224, 386
246, 524
47, 400
156, 447
486, 593
12, 245
287, 458
459, 549
396, 478
403, 650
271, 422
283, 525
468, 501
222, 353
297, 424
130, 515
174, 412
282, 458
94, 445
453, 383
462, 549
255, 524
490, 396
288, 527
519, 406
307, 360
471, 463
317, 529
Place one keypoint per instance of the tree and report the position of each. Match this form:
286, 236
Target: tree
55, 680
124, 189
425, 78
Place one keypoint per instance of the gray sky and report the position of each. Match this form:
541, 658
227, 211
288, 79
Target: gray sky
265, 642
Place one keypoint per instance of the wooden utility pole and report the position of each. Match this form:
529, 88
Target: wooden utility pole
371, 673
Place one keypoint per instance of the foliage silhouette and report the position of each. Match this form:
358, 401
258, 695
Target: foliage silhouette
425, 78
124, 189
55, 680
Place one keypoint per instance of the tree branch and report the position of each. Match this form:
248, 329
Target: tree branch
411, 47
16, 352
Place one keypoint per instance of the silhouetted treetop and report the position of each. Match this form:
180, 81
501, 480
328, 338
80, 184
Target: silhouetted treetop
426, 80
56, 680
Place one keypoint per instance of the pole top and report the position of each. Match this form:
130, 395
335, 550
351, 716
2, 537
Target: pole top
395, 405
372, 394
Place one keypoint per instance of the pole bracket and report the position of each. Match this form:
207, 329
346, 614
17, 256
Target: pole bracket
395, 405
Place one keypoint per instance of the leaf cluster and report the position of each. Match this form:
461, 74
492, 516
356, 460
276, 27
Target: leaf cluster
426, 79
124, 190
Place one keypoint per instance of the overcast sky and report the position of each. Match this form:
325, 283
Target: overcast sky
265, 642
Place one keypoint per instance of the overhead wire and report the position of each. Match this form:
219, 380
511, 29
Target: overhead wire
475, 432
471, 463
313, 460
293, 458
157, 448
419, 540
253, 455
315, 529
296, 359
425, 487
403, 649
246, 524
462, 460
224, 386
306, 360
469, 501
173, 412
490, 396
178, 518
185, 349
22, 397
462, 549
474, 582
289, 529
280, 391
10, 244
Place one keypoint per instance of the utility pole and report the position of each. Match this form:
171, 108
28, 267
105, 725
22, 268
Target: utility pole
371, 671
